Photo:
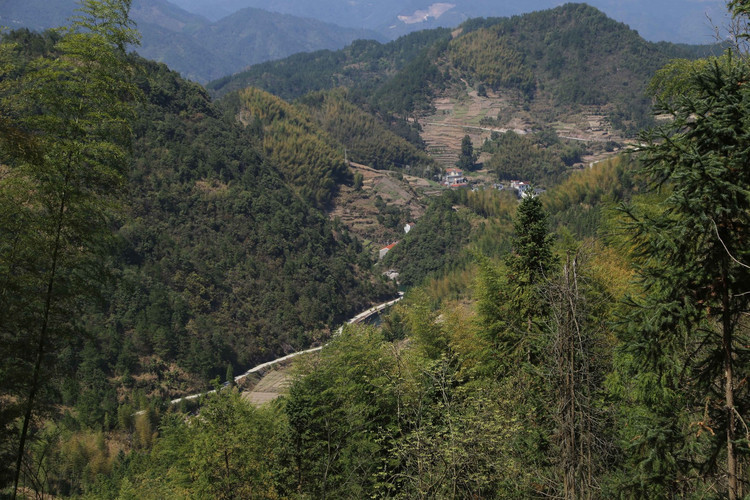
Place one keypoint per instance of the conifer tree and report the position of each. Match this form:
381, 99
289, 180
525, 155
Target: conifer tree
468, 158
531, 258
686, 338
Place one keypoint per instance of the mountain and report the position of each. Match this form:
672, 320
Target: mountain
216, 237
574, 53
200, 49
571, 81
681, 21
249, 36
364, 65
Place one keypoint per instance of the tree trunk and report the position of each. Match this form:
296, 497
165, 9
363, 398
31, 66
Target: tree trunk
728, 350
41, 346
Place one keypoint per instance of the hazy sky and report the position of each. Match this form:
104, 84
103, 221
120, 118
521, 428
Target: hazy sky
684, 21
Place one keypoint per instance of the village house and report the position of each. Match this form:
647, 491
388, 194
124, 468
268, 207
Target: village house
385, 250
391, 274
522, 187
454, 177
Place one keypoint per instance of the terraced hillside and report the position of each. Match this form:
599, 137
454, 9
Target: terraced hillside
461, 111
387, 200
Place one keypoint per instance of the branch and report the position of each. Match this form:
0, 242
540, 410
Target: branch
716, 228
747, 431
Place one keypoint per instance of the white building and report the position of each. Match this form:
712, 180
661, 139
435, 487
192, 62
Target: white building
385, 250
454, 177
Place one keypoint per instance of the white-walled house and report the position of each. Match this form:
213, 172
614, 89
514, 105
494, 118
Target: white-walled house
385, 250
454, 177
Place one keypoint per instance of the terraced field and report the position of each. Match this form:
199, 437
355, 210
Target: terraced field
272, 385
460, 111
357, 210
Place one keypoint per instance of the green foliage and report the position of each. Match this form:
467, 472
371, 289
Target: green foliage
673, 80
530, 157
573, 53
467, 159
492, 59
583, 201
358, 181
216, 262
410, 90
433, 245
364, 62
229, 450
232, 452
365, 139
739, 10
683, 335
532, 244
300, 150
56, 197
220, 262
341, 410
511, 305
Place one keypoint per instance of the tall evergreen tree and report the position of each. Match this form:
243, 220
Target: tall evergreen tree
511, 306
531, 258
468, 158
686, 337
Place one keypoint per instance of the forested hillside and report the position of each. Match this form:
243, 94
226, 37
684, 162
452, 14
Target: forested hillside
365, 139
207, 261
588, 341
224, 238
363, 64
572, 54
297, 147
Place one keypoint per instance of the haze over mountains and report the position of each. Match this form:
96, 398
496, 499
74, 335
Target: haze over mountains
205, 40
681, 21
200, 49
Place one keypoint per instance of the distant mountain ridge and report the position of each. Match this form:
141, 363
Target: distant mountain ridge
575, 50
570, 69
679, 21
200, 49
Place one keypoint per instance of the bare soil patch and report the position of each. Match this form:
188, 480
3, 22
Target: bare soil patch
357, 210
461, 111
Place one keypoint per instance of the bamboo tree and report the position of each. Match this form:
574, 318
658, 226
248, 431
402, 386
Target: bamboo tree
77, 106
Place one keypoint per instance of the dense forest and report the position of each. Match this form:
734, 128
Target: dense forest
540, 158
202, 257
366, 139
589, 342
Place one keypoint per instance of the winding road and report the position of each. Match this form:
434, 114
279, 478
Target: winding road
356, 319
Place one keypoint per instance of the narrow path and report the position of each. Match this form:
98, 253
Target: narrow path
356, 319
474, 127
